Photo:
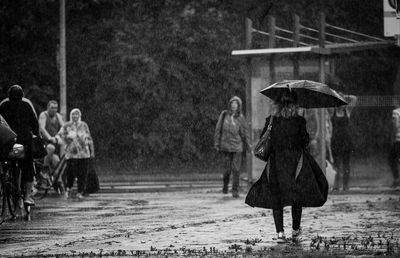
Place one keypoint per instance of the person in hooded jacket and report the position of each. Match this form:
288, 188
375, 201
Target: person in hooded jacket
231, 138
291, 176
78, 150
22, 119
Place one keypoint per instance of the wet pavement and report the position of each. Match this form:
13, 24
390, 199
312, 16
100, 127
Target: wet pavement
199, 219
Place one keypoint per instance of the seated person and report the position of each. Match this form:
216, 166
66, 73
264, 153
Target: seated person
51, 159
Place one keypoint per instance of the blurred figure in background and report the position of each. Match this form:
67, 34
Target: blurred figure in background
313, 129
341, 141
231, 138
22, 119
394, 154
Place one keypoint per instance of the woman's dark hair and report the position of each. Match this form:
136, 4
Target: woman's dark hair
286, 105
15, 92
288, 97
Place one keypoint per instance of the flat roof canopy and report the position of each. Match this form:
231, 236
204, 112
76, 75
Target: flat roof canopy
327, 50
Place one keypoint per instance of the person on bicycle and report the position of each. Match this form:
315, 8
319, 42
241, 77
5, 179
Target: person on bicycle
22, 119
50, 123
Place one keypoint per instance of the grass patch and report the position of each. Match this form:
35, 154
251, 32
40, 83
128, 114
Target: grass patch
365, 171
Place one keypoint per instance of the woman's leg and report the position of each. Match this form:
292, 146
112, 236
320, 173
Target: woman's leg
339, 171
82, 168
278, 219
394, 155
227, 162
70, 170
296, 216
27, 174
235, 168
346, 170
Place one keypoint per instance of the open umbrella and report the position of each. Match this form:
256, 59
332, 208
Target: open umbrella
310, 94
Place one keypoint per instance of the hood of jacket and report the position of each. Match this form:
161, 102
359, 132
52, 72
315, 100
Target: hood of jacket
239, 101
73, 111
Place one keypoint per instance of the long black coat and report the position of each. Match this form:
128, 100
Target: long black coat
291, 175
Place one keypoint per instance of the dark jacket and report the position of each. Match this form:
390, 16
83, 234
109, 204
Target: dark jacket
291, 174
231, 132
21, 118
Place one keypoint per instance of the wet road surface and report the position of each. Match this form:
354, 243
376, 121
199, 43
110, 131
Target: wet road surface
197, 219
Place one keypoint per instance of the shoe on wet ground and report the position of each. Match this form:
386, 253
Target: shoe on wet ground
296, 233
281, 238
29, 201
235, 195
79, 196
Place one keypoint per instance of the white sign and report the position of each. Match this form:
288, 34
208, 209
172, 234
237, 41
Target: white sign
391, 17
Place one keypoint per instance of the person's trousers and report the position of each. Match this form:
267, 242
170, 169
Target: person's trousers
296, 218
394, 156
77, 168
28, 171
342, 165
232, 162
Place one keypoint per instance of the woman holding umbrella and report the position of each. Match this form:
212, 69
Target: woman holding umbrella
291, 176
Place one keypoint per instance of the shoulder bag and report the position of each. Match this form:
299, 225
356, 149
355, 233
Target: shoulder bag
263, 147
221, 129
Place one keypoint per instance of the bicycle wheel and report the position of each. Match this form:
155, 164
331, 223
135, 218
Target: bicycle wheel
3, 198
12, 196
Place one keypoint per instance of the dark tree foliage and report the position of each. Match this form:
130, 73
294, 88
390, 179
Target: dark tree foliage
151, 77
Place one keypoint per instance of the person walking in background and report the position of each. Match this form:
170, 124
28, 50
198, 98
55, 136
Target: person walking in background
22, 119
50, 123
341, 142
313, 129
291, 176
394, 153
79, 149
231, 138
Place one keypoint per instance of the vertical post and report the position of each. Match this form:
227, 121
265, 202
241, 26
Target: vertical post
249, 118
322, 80
63, 66
296, 40
271, 44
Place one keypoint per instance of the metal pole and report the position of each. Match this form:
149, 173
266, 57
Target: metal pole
249, 118
63, 66
296, 40
271, 44
322, 79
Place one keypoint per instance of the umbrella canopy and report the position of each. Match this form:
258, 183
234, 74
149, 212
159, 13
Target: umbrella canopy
310, 94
